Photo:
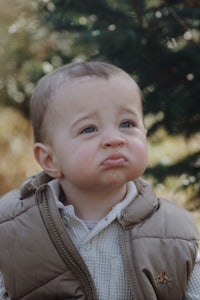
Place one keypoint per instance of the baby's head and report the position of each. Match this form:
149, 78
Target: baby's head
88, 125
47, 87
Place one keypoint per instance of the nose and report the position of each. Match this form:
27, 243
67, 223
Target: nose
112, 140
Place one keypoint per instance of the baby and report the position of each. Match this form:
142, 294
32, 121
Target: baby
89, 227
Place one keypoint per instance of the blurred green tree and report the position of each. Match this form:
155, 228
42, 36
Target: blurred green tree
28, 51
156, 41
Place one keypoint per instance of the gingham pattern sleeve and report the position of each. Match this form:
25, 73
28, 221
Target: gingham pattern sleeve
3, 293
193, 288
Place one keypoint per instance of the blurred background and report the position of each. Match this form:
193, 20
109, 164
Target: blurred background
156, 41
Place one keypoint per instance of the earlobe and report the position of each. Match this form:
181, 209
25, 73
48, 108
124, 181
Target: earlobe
45, 158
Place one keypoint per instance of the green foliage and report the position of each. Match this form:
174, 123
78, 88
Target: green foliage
189, 166
156, 41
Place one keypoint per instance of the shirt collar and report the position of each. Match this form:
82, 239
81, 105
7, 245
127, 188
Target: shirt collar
115, 211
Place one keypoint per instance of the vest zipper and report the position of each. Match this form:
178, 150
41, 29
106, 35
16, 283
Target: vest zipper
124, 259
60, 246
131, 275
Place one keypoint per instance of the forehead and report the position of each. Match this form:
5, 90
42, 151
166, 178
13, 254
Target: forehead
92, 96
95, 91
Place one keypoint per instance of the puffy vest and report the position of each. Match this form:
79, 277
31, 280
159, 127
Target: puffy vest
39, 261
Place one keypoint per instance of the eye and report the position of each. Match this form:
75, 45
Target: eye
89, 129
127, 124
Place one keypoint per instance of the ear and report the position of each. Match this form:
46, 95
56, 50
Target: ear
44, 156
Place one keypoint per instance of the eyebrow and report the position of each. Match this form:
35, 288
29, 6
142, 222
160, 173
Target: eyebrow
82, 118
86, 116
129, 110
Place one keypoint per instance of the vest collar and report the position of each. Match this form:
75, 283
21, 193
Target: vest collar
144, 204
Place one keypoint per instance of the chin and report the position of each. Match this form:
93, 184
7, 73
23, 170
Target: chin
116, 181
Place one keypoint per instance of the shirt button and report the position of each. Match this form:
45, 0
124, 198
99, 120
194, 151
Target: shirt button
86, 247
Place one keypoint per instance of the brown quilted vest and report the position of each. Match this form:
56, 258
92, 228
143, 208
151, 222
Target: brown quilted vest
39, 261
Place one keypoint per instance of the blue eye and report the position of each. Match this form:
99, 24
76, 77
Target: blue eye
88, 129
127, 124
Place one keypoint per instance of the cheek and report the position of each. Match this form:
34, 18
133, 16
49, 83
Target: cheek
140, 152
82, 157
80, 169
143, 160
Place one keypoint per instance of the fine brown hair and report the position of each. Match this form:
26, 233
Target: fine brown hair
49, 84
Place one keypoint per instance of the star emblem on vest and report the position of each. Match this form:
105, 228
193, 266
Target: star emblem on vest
162, 277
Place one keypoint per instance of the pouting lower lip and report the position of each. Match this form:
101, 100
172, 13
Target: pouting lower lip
114, 160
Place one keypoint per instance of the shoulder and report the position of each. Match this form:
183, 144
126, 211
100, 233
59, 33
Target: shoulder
178, 219
21, 200
8, 204
164, 216
12, 205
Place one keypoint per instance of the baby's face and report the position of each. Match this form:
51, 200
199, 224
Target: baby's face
97, 136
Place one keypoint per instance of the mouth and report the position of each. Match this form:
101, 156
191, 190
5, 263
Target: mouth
114, 160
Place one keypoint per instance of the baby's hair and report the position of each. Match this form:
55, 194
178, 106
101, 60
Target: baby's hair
50, 83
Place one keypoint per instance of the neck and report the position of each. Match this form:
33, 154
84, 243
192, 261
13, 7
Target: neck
94, 204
